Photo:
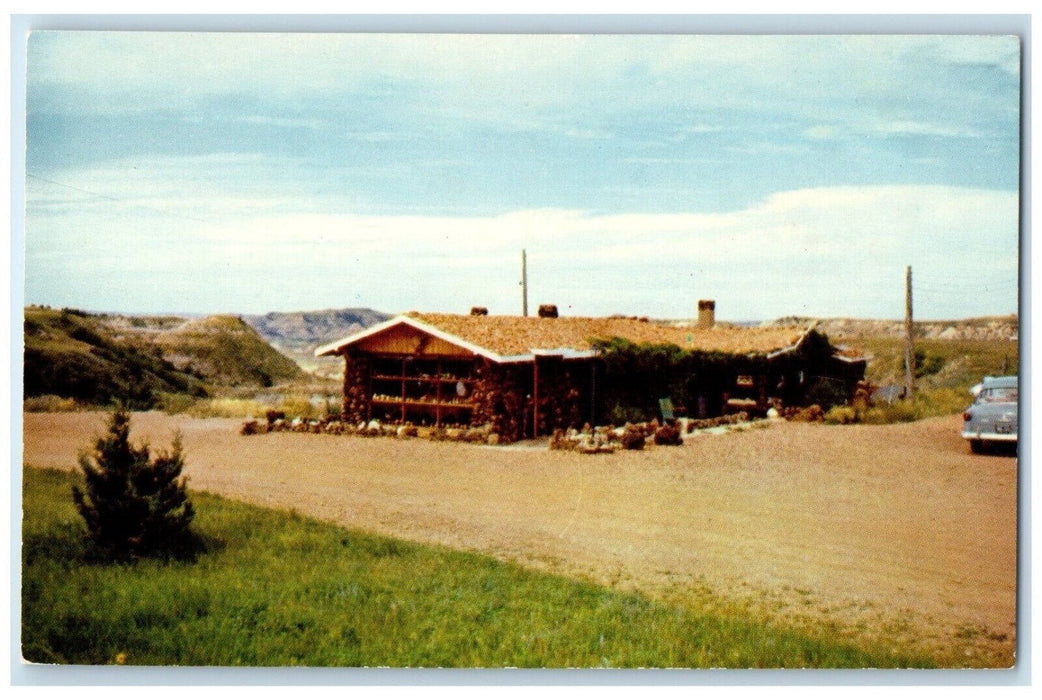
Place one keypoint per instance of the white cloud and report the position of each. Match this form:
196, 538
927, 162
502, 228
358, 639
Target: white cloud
822, 132
265, 120
507, 74
835, 132
235, 219
927, 129
826, 251
1000, 51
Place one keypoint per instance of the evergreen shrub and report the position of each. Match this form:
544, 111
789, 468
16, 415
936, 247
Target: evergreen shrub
135, 505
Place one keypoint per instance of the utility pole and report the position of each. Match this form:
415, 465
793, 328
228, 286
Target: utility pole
909, 353
524, 283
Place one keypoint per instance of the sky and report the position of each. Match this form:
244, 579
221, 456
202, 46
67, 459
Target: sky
777, 175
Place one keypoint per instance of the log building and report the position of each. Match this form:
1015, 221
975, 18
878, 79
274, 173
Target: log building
526, 376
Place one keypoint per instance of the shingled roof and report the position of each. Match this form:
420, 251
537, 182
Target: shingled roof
517, 338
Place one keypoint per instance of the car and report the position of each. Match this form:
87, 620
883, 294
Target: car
992, 418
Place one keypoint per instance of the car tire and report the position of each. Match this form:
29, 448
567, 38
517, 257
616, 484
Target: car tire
976, 446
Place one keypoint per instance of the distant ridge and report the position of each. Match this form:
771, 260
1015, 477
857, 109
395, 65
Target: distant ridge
303, 331
981, 328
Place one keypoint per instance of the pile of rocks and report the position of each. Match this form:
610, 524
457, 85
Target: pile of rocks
706, 423
608, 439
808, 414
277, 423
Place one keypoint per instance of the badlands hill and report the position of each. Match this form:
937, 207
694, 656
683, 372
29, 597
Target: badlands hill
1003, 328
100, 358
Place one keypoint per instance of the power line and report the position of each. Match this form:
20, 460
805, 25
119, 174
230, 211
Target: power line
118, 199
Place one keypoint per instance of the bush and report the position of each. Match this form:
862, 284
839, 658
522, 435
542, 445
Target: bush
668, 435
252, 427
299, 406
927, 363
810, 414
620, 415
227, 408
49, 403
875, 416
176, 403
841, 415
134, 506
632, 438
826, 392
902, 411
942, 401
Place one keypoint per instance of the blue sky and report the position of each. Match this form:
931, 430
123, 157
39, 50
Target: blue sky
778, 175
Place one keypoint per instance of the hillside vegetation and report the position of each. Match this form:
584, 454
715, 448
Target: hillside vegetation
227, 351
948, 362
70, 354
955, 364
951, 356
143, 362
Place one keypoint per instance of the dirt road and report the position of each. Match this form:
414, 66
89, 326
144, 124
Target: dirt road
880, 533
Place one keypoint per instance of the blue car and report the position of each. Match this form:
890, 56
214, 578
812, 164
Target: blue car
993, 416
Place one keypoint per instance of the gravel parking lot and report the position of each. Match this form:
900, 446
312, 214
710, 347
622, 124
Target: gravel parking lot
881, 533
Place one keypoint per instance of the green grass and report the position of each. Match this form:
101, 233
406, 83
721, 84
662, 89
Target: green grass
278, 589
49, 403
953, 364
279, 398
946, 369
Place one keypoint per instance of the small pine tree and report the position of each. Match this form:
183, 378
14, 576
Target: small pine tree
135, 506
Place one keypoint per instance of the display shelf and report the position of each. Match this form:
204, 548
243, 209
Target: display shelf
415, 378
393, 401
421, 390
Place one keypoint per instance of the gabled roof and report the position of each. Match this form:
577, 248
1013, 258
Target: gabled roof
517, 338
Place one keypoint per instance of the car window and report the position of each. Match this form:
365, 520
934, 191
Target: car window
998, 395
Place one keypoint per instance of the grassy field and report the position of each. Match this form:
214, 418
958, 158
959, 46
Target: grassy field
956, 364
277, 589
945, 371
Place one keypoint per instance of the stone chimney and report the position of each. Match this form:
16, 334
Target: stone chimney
548, 311
706, 313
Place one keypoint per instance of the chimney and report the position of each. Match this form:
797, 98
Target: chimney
706, 313
547, 311
479, 311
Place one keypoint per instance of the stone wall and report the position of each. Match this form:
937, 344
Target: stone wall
356, 389
559, 396
503, 397
500, 393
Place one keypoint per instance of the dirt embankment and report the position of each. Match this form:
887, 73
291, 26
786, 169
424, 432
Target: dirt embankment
876, 533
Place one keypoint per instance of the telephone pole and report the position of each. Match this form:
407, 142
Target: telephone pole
909, 353
524, 283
